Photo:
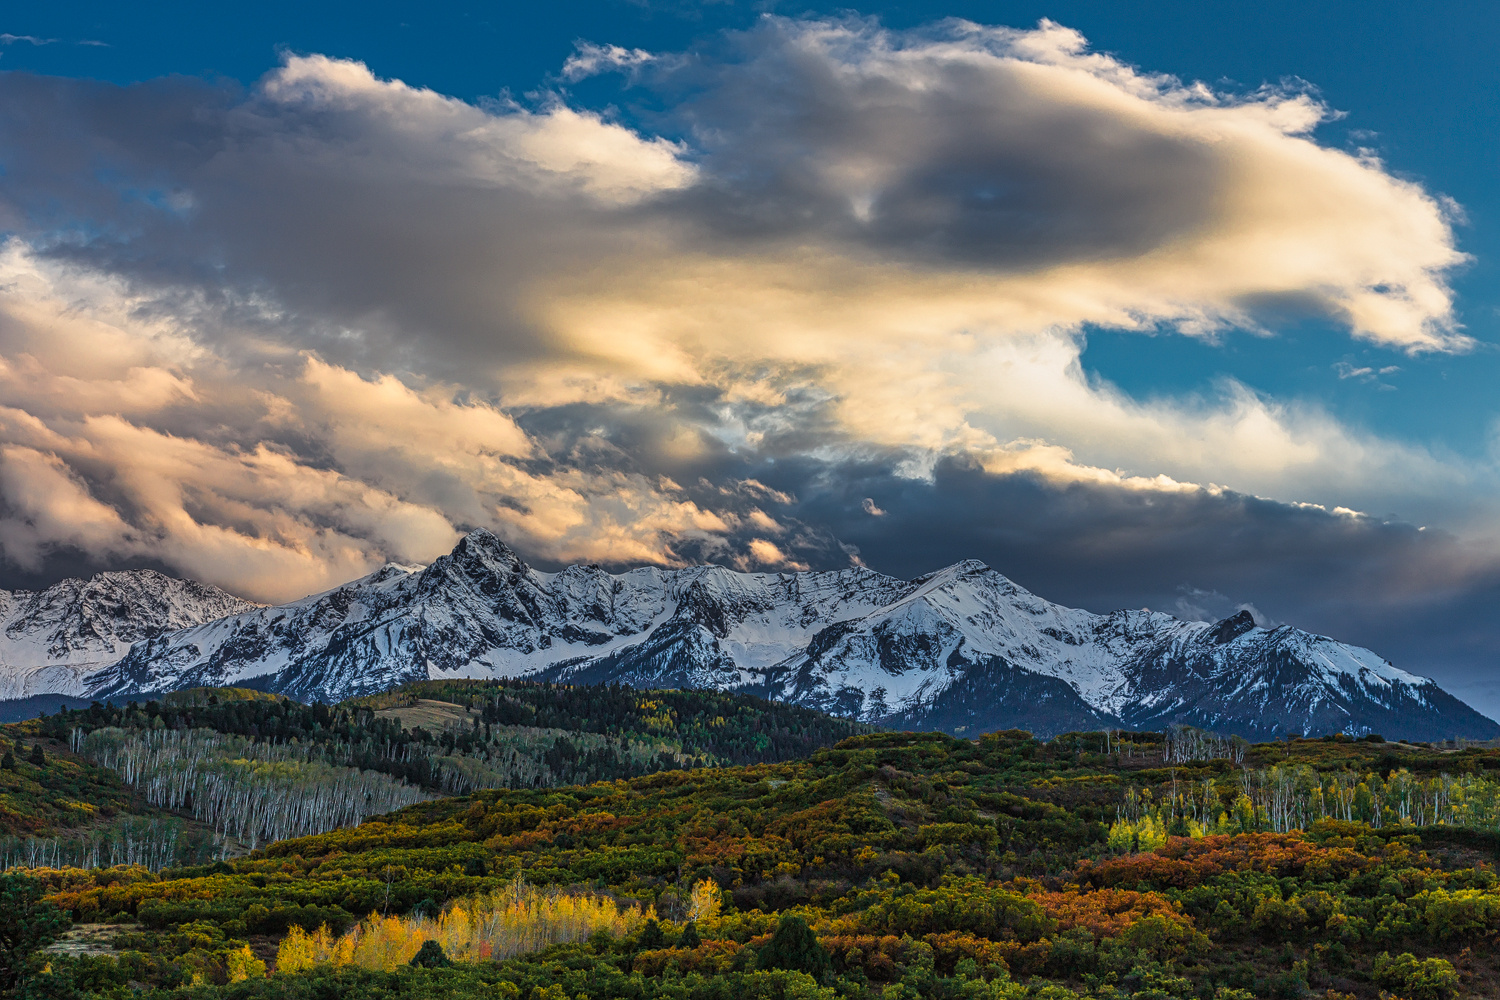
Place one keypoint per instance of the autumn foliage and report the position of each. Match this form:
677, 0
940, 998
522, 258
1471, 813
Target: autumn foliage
889, 867
517, 920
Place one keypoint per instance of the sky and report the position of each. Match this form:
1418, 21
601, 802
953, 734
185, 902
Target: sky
1179, 305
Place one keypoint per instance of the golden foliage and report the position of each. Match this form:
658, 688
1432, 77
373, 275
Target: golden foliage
705, 902
242, 964
516, 920
709, 958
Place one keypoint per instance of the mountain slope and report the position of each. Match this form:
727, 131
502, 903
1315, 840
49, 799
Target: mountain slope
50, 640
1257, 682
480, 612
963, 649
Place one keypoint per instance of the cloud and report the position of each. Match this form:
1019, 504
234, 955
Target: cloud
765, 554
1196, 604
48, 505
1053, 185
556, 151
1366, 374
124, 440
271, 337
1422, 597
589, 59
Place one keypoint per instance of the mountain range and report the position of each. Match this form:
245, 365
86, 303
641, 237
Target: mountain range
963, 649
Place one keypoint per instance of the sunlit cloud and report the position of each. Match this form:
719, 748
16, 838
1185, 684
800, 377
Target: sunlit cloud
336, 319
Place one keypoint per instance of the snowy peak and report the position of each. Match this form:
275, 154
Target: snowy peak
93, 615
52, 638
482, 564
1232, 628
483, 556
1235, 675
963, 649
964, 569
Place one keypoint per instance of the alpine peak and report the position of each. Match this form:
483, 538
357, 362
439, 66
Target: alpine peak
962, 649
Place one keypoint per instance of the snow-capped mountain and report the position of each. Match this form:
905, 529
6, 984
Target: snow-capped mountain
1233, 675
963, 649
51, 640
481, 612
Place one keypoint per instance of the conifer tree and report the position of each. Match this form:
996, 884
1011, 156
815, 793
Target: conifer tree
28, 923
38, 758
795, 947
652, 936
430, 956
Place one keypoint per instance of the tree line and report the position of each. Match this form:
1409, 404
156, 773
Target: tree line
523, 734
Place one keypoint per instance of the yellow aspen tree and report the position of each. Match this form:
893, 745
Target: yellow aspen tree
242, 964
704, 902
295, 953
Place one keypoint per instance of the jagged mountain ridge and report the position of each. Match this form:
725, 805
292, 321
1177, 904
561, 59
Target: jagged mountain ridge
963, 649
480, 611
52, 640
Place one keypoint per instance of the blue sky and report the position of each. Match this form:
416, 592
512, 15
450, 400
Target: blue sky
635, 308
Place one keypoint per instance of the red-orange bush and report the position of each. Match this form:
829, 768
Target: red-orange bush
1186, 862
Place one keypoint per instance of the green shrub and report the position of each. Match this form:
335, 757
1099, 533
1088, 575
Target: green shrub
1415, 978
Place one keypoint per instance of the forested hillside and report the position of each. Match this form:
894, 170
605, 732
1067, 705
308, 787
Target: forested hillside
57, 808
207, 774
893, 866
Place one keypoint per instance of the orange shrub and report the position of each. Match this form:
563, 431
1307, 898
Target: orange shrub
755, 855
954, 946
1106, 912
710, 958
1186, 862
879, 955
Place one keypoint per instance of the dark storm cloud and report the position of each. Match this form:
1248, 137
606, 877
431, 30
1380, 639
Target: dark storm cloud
1195, 552
1109, 547
1418, 597
919, 148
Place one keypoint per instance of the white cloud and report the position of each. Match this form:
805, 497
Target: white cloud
397, 128
1197, 604
589, 59
274, 479
321, 340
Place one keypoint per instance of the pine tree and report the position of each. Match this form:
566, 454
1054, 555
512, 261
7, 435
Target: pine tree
430, 956
8, 762
38, 758
795, 947
689, 937
651, 936
28, 923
